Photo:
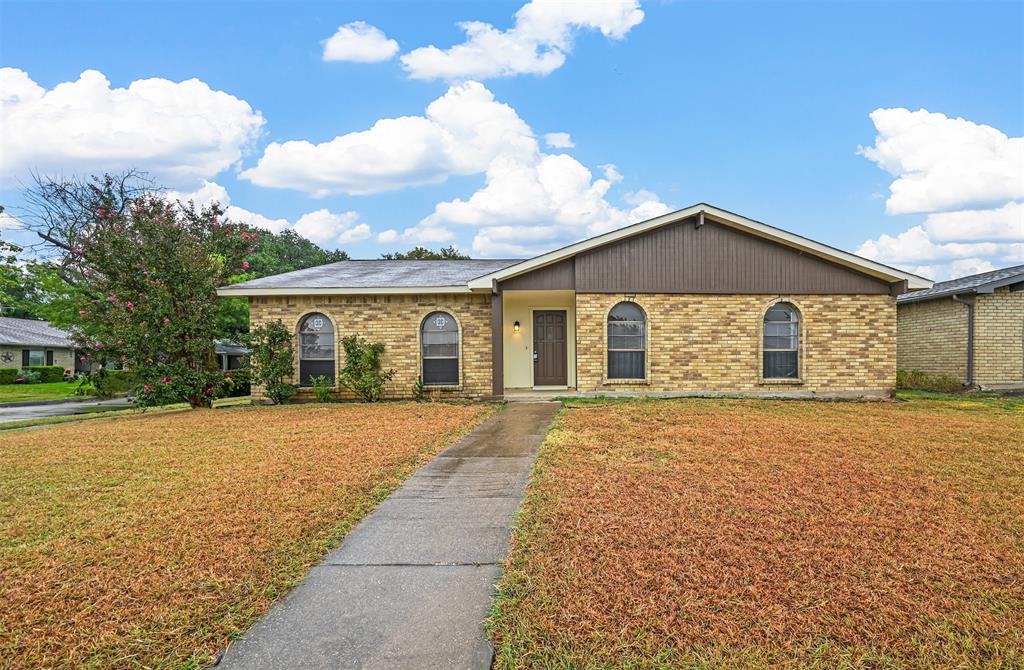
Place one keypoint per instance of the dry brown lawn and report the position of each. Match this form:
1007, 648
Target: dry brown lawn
149, 541
764, 534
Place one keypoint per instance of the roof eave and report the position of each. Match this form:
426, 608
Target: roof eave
988, 287
239, 292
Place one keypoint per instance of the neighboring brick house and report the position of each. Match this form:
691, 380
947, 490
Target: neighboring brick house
26, 342
970, 328
697, 301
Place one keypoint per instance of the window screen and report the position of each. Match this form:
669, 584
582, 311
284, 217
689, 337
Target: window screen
781, 342
316, 349
440, 338
627, 342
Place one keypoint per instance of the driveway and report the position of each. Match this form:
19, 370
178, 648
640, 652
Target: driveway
42, 410
411, 585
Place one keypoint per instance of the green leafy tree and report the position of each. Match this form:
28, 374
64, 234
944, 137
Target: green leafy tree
449, 253
272, 360
362, 372
150, 271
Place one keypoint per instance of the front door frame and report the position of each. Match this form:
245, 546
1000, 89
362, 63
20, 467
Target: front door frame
533, 338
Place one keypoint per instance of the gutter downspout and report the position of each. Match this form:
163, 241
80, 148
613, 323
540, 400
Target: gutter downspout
970, 337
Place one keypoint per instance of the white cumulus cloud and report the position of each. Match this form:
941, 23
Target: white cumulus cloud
537, 43
460, 133
359, 42
943, 164
180, 132
969, 180
559, 140
323, 226
463, 132
320, 226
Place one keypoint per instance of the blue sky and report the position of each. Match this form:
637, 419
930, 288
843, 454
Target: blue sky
759, 108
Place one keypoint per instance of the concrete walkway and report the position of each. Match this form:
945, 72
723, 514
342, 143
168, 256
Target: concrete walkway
411, 585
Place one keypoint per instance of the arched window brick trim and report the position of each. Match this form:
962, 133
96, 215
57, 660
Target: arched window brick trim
440, 349
627, 342
317, 350
781, 342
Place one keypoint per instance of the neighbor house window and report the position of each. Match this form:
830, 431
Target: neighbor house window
33, 357
627, 342
316, 349
440, 337
782, 342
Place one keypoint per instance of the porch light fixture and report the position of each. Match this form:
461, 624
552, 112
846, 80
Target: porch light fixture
515, 326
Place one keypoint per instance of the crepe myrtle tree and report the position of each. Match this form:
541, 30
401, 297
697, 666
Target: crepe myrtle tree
150, 271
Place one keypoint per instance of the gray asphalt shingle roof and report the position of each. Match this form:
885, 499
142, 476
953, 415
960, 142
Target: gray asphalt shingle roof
20, 332
381, 273
969, 284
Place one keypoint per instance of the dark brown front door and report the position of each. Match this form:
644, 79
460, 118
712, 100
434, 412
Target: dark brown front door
550, 354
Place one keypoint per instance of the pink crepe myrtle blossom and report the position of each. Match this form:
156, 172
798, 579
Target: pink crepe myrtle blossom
167, 319
146, 387
166, 380
245, 265
130, 305
245, 236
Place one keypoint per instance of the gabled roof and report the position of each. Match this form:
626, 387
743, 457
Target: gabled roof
30, 332
986, 282
721, 216
384, 276
378, 276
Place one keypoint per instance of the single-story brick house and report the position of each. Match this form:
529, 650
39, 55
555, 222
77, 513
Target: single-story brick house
700, 300
970, 328
28, 342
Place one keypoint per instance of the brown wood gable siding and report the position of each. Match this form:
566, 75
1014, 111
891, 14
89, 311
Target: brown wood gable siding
713, 258
557, 276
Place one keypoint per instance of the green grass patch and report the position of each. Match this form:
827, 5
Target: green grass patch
49, 391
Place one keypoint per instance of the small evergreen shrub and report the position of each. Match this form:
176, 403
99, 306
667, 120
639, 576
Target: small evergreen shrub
108, 383
917, 379
237, 383
8, 375
28, 376
361, 373
272, 360
322, 387
419, 391
48, 374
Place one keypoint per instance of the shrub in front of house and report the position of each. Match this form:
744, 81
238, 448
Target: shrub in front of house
111, 383
26, 376
362, 374
917, 379
271, 360
8, 375
322, 387
237, 383
48, 374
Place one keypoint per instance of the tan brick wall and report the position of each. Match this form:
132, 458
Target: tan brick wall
712, 343
395, 321
932, 337
999, 338
64, 357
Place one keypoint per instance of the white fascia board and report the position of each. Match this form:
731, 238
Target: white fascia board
786, 238
231, 292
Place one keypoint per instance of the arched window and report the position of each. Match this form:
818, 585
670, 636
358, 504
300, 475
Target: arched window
782, 342
627, 342
316, 349
440, 337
